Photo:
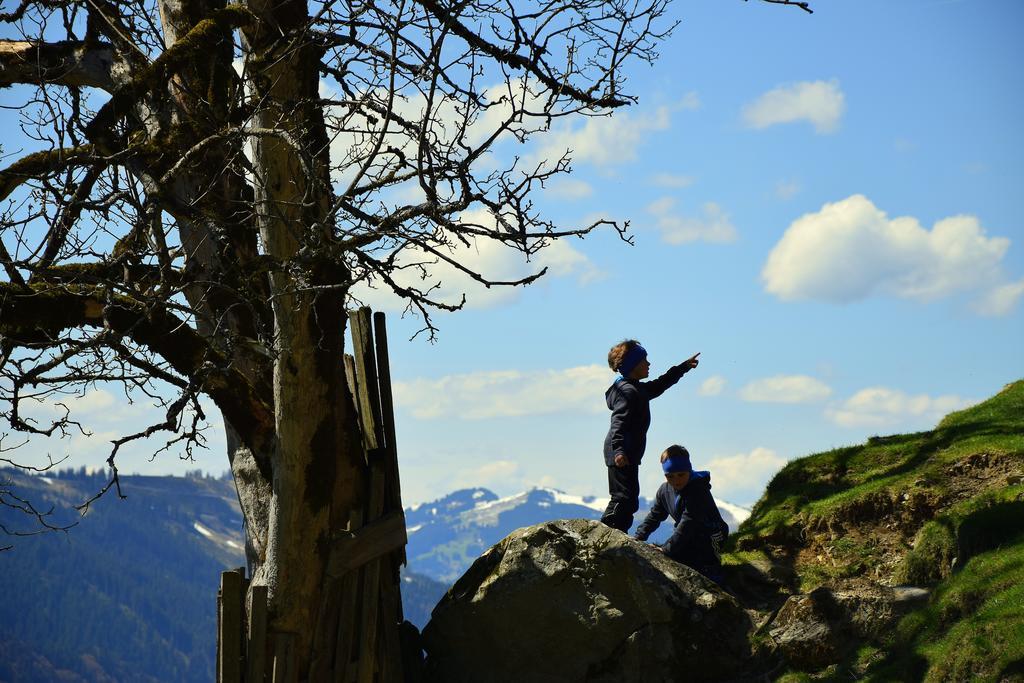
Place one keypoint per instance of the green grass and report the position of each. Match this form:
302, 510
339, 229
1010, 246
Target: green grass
972, 629
971, 527
972, 554
848, 482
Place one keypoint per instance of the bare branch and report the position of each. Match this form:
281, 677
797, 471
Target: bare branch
48, 309
186, 49
528, 64
805, 6
42, 163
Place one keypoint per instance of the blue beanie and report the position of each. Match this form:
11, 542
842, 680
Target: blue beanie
632, 359
677, 461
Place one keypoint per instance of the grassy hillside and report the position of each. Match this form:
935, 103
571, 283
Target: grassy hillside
942, 509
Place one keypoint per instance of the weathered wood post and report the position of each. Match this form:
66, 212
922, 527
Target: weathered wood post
362, 581
373, 438
230, 603
256, 648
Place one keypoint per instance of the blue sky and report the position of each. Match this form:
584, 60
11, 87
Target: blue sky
828, 207
899, 115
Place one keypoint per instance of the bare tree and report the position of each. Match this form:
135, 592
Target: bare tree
210, 181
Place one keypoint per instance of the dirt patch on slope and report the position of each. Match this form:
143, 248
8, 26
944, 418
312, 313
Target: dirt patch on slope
861, 543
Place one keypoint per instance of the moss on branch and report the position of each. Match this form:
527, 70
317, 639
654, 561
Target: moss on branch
189, 49
42, 164
30, 312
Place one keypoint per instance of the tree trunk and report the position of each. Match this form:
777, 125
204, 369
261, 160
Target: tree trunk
300, 494
319, 467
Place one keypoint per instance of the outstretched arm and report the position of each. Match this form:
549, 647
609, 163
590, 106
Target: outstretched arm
656, 387
655, 517
682, 535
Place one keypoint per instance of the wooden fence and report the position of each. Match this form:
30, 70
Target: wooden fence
362, 604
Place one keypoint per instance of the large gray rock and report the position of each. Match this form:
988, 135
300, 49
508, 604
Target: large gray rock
573, 600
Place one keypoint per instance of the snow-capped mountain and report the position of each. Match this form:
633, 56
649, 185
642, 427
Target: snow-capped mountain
448, 534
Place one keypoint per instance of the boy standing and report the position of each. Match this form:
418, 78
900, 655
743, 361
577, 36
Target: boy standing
700, 530
629, 400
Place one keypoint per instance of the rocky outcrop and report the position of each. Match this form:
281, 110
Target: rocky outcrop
811, 631
573, 600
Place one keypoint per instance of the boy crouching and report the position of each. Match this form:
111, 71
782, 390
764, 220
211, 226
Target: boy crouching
699, 530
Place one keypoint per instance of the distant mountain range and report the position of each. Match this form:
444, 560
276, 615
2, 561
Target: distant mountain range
448, 534
130, 592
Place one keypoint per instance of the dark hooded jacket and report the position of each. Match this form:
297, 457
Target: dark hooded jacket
629, 400
696, 518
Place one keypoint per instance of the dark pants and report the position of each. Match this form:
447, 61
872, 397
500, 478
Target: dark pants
700, 554
624, 487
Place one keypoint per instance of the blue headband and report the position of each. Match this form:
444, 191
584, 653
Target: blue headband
632, 359
678, 462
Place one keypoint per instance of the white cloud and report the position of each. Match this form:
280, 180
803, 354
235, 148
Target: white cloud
1000, 300
787, 189
821, 103
904, 145
96, 408
98, 444
850, 250
506, 393
742, 474
712, 386
546, 481
498, 469
607, 141
505, 99
786, 389
570, 189
91, 403
492, 259
881, 406
713, 226
447, 121
672, 181
603, 140
496, 473
562, 260
688, 102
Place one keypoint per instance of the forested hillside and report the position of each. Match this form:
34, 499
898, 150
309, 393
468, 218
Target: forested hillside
127, 594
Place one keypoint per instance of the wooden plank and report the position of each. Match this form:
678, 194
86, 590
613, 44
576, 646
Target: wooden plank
387, 410
368, 636
230, 635
370, 547
372, 571
366, 372
256, 652
352, 550
325, 632
392, 480
391, 647
366, 366
284, 658
375, 499
242, 637
344, 670
220, 620
391, 597
352, 379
